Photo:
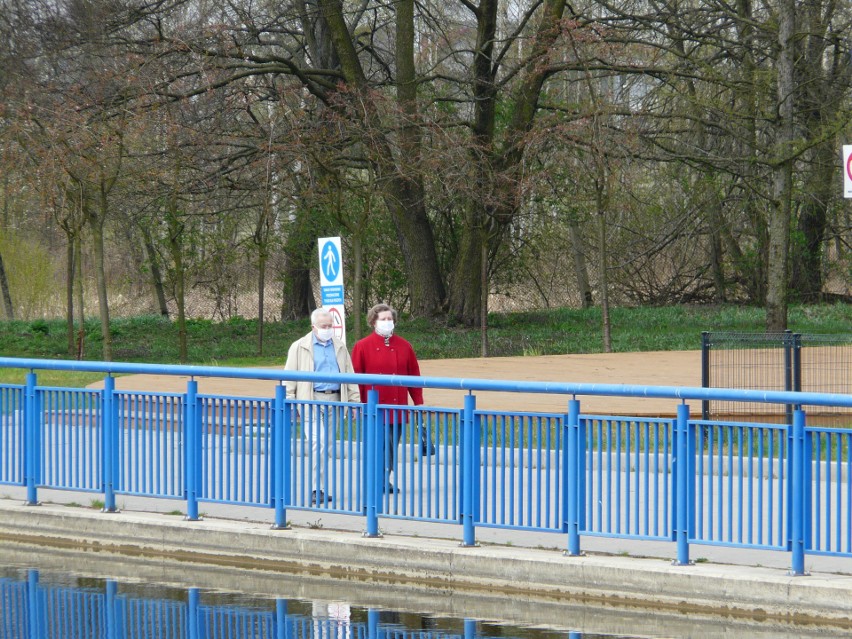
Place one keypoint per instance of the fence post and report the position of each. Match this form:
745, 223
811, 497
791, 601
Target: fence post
280, 459
797, 362
571, 473
798, 494
31, 437
192, 438
787, 341
374, 467
109, 428
469, 475
705, 372
682, 498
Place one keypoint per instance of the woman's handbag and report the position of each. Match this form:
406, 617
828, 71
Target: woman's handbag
426, 447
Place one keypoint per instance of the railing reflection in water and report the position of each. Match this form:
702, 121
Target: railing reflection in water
31, 609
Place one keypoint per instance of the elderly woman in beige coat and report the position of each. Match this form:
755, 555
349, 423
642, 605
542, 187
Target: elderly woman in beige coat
319, 351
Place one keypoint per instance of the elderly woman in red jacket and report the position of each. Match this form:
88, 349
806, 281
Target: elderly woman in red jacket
384, 353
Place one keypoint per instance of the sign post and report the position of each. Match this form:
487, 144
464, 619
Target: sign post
331, 283
847, 170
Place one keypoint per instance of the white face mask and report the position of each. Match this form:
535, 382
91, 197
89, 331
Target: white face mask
324, 334
384, 327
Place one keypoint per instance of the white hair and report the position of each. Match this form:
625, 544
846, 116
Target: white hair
317, 313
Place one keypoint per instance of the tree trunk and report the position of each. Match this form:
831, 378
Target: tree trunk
496, 197
716, 254
297, 295
357, 285
261, 288
466, 282
779, 223
156, 275
820, 102
96, 224
176, 231
581, 271
4, 290
400, 181
81, 311
4, 282
603, 267
807, 249
751, 265
417, 244
261, 240
69, 293
483, 322
425, 286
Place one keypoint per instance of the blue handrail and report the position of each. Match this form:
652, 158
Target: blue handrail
554, 388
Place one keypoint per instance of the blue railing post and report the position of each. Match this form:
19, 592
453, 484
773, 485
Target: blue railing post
109, 430
798, 496
193, 614
280, 465
807, 479
705, 372
582, 427
571, 469
372, 623
281, 625
31, 436
470, 629
288, 445
109, 605
470, 464
35, 618
374, 463
192, 439
682, 497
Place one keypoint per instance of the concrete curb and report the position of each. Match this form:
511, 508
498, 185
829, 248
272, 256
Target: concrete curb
440, 564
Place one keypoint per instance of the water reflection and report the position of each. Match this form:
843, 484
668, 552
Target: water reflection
55, 593
36, 605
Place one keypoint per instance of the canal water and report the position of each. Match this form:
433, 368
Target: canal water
62, 593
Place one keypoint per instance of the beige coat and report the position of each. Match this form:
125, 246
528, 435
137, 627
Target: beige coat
300, 357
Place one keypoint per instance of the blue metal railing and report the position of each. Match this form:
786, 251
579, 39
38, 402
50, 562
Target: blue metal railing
150, 444
690, 481
742, 477
12, 443
628, 466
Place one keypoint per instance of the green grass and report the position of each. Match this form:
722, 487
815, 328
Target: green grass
545, 332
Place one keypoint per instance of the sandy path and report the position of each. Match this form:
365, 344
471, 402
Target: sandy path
664, 368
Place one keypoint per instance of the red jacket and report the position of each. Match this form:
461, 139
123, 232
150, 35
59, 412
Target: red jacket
370, 355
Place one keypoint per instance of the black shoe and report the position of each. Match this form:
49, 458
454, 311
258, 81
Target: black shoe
427, 448
389, 489
319, 497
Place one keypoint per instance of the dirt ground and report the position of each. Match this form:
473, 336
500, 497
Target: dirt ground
664, 368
